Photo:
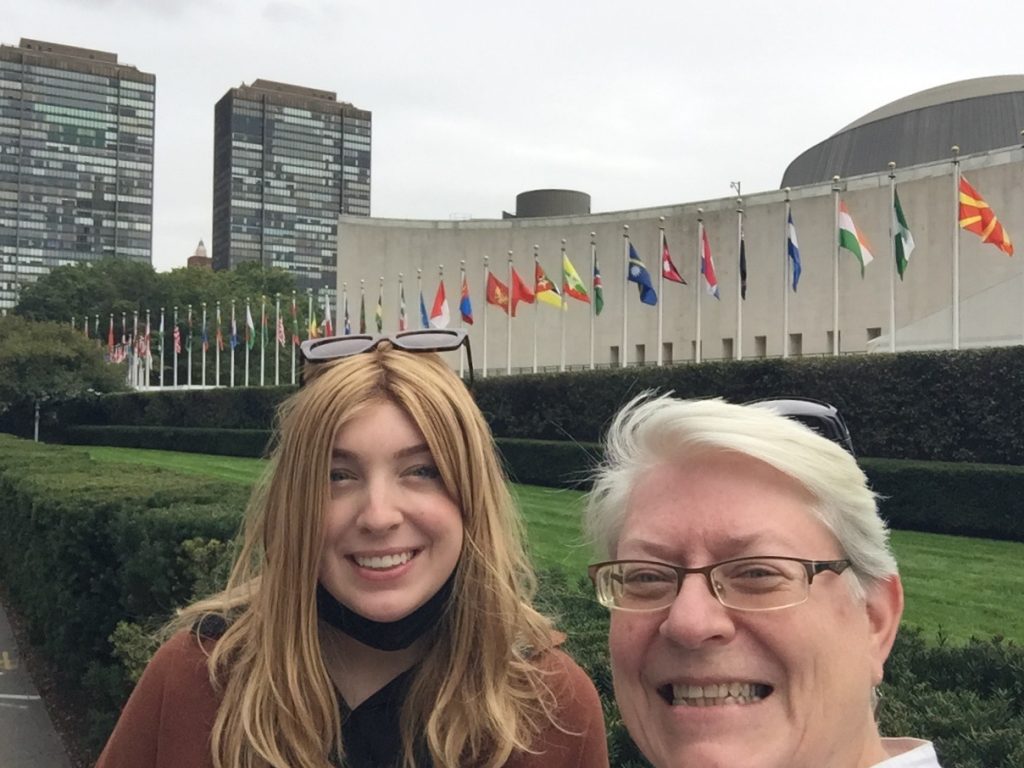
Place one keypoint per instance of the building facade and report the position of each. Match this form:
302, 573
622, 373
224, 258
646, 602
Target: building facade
76, 161
287, 161
377, 256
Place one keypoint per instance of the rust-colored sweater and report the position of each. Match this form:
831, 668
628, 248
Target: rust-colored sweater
167, 721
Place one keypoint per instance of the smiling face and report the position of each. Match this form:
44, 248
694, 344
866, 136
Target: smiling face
392, 534
700, 684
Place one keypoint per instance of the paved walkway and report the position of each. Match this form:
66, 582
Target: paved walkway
27, 737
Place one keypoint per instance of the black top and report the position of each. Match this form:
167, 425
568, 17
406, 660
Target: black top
370, 733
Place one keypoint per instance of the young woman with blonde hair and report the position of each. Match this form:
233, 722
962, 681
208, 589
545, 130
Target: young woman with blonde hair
378, 613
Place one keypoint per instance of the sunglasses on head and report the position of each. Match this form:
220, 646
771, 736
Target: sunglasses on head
823, 418
426, 340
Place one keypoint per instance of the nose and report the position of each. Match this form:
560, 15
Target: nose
696, 617
378, 510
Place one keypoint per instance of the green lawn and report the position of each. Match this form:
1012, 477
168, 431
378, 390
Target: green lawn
954, 586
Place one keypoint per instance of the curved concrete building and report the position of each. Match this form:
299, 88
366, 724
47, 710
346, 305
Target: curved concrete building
977, 115
551, 202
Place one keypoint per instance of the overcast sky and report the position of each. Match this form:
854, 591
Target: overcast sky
640, 103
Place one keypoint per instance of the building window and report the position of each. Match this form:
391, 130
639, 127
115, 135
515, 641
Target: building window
796, 344
760, 346
613, 354
666, 352
727, 349
874, 333
829, 343
641, 354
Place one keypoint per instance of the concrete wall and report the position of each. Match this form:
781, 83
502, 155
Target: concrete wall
991, 284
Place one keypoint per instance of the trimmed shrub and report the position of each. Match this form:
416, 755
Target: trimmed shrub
250, 443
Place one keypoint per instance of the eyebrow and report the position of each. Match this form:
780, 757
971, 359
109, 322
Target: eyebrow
341, 454
732, 545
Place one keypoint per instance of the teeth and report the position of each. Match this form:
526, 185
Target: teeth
386, 561
721, 694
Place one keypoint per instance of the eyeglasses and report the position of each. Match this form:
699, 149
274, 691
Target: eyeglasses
426, 340
823, 418
744, 584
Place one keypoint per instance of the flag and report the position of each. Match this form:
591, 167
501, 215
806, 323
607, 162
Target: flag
668, 269
520, 291
977, 217
707, 265
439, 315
220, 338
328, 325
852, 240
234, 329
188, 338
901, 233
465, 305
281, 338
362, 313
110, 339
544, 290
598, 290
424, 318
205, 340
571, 283
177, 339
313, 329
346, 321
250, 329
263, 324
793, 248
379, 313
295, 323
497, 292
403, 323
743, 267
638, 274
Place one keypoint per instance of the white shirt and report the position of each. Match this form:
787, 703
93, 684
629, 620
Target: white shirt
909, 753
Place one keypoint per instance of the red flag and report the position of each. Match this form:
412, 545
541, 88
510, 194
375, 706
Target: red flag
520, 291
497, 292
295, 324
110, 339
977, 217
439, 314
668, 269
177, 339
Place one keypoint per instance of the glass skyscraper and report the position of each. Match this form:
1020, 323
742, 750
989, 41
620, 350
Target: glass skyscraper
286, 161
76, 160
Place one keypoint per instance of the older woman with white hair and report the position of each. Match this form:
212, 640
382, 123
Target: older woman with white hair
769, 655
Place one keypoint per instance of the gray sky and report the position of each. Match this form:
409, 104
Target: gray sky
641, 103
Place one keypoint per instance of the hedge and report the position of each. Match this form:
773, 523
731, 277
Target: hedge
250, 443
932, 406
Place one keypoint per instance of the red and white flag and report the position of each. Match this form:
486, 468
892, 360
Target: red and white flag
439, 315
668, 269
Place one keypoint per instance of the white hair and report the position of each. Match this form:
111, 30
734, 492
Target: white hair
653, 430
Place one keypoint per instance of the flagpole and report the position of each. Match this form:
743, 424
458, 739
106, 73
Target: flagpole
362, 306
232, 347
956, 247
206, 346
697, 286
787, 269
248, 315
623, 356
593, 305
739, 275
218, 337
263, 340
188, 352
561, 360
175, 346
661, 280
486, 273
136, 358
295, 332
277, 341
380, 305
892, 251
462, 322
149, 348
536, 304
835, 267
508, 318
162, 343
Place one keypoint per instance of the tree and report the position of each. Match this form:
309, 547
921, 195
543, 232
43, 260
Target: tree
45, 363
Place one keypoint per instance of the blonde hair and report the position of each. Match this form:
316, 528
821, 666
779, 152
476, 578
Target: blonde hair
476, 696
655, 429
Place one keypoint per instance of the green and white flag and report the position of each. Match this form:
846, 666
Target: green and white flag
901, 232
852, 240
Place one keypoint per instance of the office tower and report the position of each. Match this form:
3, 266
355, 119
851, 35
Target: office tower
76, 161
287, 160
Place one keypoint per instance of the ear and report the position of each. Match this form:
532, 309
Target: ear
884, 605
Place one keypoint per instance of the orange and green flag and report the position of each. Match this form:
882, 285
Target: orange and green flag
977, 217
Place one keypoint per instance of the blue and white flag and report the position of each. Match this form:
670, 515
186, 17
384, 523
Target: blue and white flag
638, 274
794, 249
